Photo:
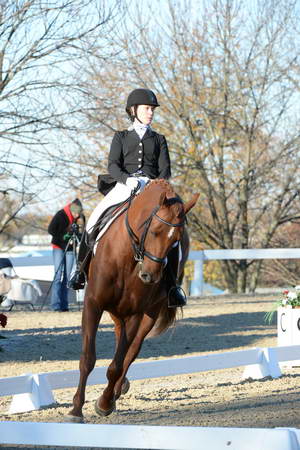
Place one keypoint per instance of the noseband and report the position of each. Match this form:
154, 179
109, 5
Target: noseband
139, 246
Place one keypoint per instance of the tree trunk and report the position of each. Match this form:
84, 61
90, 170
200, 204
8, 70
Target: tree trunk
242, 277
231, 275
254, 278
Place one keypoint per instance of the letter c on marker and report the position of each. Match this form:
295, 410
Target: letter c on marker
281, 322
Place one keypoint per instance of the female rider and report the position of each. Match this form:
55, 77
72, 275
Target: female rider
136, 156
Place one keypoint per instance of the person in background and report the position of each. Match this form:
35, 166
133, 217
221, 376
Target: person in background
65, 231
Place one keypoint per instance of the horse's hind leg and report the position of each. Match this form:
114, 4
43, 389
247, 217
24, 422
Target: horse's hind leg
90, 320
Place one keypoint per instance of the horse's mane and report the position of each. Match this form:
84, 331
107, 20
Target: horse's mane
164, 184
171, 196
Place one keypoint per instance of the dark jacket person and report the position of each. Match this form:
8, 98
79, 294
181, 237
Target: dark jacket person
64, 229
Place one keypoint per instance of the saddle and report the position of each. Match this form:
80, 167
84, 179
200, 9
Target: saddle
89, 241
104, 222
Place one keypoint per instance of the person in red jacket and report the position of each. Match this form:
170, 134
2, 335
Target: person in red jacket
64, 229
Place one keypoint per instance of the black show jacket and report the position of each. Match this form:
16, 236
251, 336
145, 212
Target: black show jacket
58, 227
129, 153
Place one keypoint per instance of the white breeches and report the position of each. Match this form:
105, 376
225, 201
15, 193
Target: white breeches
118, 194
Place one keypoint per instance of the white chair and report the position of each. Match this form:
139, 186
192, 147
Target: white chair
22, 292
15, 290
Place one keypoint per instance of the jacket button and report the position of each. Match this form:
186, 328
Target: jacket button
140, 159
139, 166
140, 144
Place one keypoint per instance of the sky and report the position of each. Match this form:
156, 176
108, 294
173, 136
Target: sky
56, 192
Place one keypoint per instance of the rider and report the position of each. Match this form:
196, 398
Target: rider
136, 156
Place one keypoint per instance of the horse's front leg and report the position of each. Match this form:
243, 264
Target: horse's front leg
105, 405
90, 321
122, 385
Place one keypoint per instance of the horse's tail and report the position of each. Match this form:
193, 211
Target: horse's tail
166, 318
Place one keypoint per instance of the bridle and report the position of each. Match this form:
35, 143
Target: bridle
139, 245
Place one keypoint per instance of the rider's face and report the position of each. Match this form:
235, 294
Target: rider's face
145, 113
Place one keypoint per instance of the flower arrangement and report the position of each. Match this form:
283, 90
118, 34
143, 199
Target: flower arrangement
289, 299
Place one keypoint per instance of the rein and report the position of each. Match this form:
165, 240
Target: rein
139, 246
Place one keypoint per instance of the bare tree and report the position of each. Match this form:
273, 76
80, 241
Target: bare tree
227, 77
284, 273
40, 43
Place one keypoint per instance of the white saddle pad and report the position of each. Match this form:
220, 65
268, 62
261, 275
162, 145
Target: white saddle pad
106, 227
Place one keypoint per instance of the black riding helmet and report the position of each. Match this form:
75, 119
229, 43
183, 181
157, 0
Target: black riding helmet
140, 97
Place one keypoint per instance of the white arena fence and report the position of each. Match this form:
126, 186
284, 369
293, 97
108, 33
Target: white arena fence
202, 256
42, 266
148, 437
32, 391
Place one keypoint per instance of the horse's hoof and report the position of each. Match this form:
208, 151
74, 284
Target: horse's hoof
74, 419
125, 387
105, 412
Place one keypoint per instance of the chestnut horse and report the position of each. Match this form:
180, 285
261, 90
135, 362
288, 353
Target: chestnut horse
126, 279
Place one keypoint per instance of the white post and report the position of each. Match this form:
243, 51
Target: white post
40, 395
267, 366
197, 282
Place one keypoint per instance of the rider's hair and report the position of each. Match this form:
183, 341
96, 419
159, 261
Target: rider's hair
132, 116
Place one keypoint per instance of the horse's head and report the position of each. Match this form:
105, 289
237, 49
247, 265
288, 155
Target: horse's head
155, 223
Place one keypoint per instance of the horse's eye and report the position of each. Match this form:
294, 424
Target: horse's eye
154, 233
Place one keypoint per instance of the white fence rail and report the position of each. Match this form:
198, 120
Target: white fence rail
148, 437
42, 266
201, 256
33, 391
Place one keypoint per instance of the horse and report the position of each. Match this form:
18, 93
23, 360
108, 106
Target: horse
125, 278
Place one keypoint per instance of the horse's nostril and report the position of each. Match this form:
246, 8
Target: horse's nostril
145, 277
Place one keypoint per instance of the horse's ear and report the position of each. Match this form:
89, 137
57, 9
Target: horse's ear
162, 198
189, 205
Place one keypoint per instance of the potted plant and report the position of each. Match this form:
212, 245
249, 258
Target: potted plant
290, 299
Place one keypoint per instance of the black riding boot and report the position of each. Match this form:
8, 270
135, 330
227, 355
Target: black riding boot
77, 281
176, 295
